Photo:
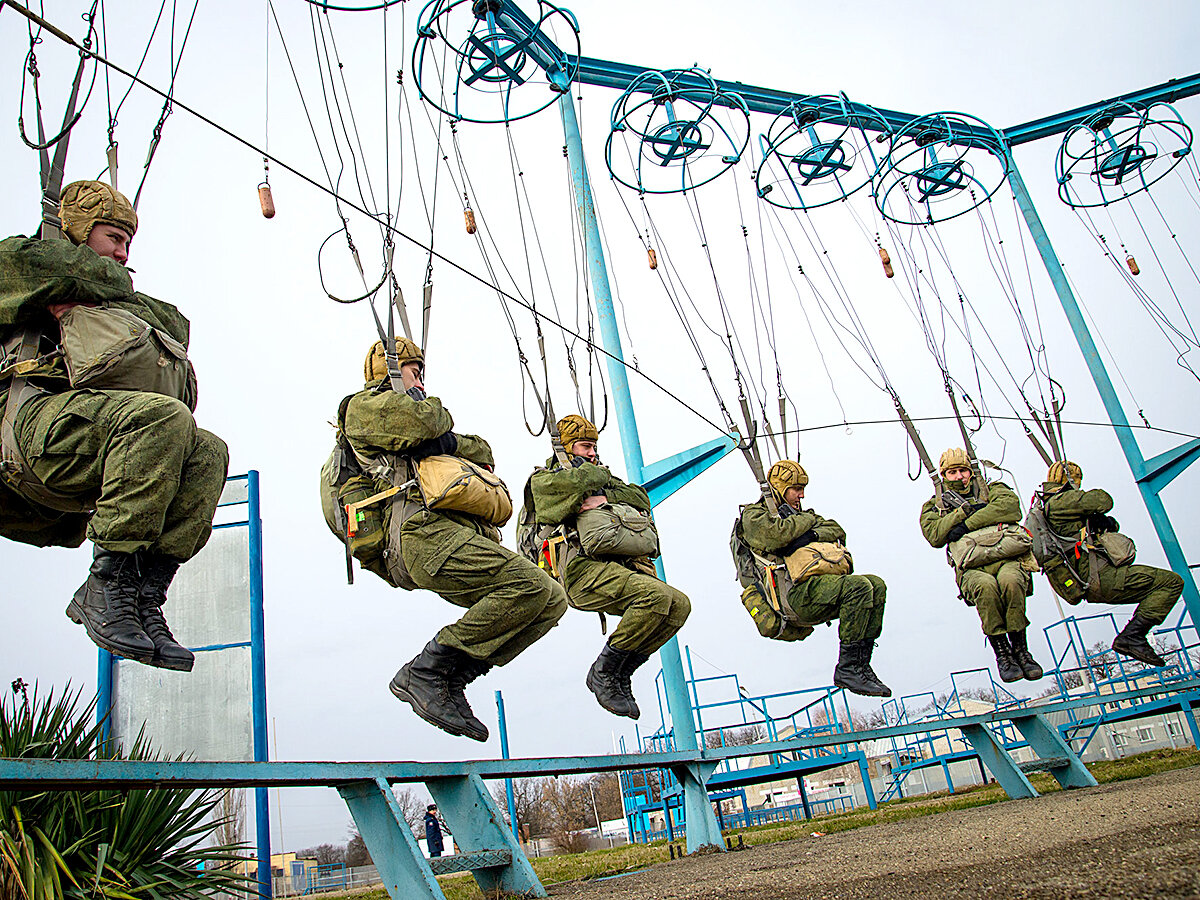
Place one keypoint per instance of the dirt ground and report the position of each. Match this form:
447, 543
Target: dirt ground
1131, 839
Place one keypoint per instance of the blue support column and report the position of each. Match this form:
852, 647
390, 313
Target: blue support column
258, 683
1150, 477
702, 826
105, 663
502, 723
868, 788
478, 828
402, 867
1047, 743
998, 762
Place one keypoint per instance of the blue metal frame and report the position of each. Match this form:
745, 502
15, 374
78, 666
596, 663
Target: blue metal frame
1151, 475
508, 785
106, 665
709, 832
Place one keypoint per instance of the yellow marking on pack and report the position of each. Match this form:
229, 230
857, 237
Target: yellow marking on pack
353, 510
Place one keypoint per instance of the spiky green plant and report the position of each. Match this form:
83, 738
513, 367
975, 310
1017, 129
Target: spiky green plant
86, 845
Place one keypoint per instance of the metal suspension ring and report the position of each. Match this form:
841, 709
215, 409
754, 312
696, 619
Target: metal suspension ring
940, 166
497, 57
1119, 152
818, 151
680, 142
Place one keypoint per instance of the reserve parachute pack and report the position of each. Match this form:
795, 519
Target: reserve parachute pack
765, 586
451, 482
991, 544
107, 348
616, 531
819, 558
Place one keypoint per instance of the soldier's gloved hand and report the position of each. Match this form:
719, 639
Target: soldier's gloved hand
1103, 523
416, 393
957, 532
976, 507
445, 444
803, 541
577, 461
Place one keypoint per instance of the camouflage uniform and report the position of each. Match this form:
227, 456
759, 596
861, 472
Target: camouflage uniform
857, 601
510, 602
997, 591
153, 477
651, 611
1154, 590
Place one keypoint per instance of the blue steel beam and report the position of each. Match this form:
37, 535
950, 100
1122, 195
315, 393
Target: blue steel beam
665, 477
996, 758
1175, 460
29, 774
605, 73
402, 867
477, 827
1047, 743
704, 830
1167, 92
1161, 470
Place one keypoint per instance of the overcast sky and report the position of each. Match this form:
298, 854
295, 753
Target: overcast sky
275, 355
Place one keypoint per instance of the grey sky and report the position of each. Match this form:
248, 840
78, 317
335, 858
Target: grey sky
274, 355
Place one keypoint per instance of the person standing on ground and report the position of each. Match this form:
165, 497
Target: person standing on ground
433, 831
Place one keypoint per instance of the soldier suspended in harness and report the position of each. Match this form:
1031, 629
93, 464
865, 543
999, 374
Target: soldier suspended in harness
796, 573
97, 435
1087, 558
595, 532
977, 523
419, 505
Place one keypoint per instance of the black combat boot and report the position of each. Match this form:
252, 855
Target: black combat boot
854, 673
1024, 659
464, 673
424, 683
107, 606
157, 573
604, 680
1132, 642
633, 662
1005, 663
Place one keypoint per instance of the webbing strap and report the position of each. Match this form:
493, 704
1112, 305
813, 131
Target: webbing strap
52, 171
976, 469
922, 453
14, 467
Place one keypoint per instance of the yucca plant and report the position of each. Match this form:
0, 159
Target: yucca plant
124, 845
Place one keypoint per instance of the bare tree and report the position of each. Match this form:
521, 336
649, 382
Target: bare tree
325, 854
412, 806
606, 788
533, 817
570, 806
231, 817
356, 851
734, 736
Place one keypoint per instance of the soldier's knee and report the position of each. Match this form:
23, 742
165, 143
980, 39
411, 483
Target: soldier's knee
1173, 582
556, 603
681, 608
1012, 583
170, 418
857, 590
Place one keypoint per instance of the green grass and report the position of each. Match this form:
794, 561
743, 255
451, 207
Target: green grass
614, 861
